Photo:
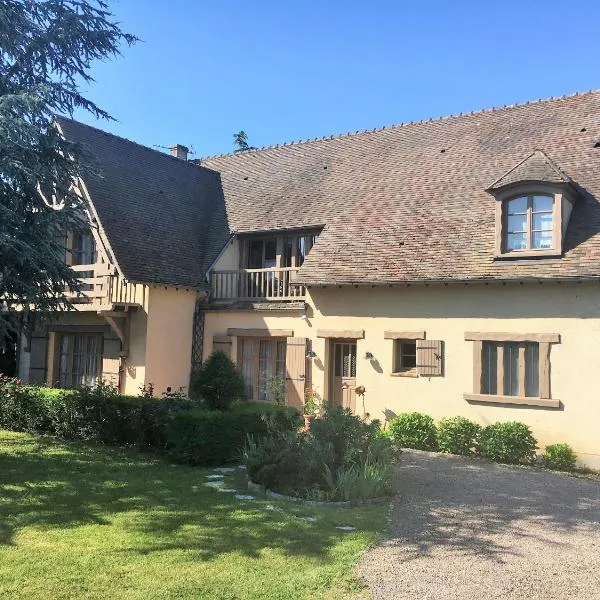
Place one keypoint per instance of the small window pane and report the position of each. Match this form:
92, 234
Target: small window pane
532, 370
352, 360
489, 384
511, 369
517, 223
409, 355
541, 240
542, 203
516, 241
542, 221
517, 206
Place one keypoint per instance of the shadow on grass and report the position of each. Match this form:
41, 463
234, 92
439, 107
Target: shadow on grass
469, 506
46, 484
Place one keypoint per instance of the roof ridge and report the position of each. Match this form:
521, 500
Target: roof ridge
493, 109
120, 137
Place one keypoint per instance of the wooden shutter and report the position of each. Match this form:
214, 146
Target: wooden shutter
430, 358
295, 365
222, 343
39, 353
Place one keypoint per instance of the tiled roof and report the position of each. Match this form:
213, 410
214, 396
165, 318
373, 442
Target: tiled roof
536, 167
156, 210
409, 203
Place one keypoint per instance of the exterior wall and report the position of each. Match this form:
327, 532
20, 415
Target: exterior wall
230, 258
446, 313
135, 365
169, 338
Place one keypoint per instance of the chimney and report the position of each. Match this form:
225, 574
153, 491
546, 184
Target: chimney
179, 151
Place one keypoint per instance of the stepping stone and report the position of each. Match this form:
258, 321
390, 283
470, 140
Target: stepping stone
225, 470
346, 528
215, 483
308, 519
242, 467
214, 477
244, 497
227, 490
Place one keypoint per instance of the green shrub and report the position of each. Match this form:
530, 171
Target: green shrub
99, 414
511, 443
414, 430
560, 457
340, 458
217, 383
457, 436
212, 437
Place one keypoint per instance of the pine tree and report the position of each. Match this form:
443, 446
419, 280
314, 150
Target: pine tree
46, 49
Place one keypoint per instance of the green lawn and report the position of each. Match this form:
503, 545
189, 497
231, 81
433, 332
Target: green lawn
81, 521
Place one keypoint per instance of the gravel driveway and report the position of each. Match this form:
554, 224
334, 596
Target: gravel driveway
464, 529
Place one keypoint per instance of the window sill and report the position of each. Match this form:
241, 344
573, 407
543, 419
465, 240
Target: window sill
407, 373
523, 401
517, 254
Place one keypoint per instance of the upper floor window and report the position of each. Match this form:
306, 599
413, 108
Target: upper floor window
534, 201
83, 248
529, 223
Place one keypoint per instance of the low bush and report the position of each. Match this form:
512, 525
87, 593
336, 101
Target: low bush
560, 457
217, 383
457, 436
414, 430
211, 437
98, 414
510, 442
341, 457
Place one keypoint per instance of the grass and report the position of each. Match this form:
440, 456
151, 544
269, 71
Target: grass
83, 521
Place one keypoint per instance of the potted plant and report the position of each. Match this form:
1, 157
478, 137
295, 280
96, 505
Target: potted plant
311, 406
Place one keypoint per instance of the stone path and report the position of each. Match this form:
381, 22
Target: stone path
465, 529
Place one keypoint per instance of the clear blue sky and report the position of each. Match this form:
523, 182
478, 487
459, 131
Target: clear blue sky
294, 69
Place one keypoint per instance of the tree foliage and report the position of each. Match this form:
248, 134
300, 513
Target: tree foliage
46, 51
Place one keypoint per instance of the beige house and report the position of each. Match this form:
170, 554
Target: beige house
449, 266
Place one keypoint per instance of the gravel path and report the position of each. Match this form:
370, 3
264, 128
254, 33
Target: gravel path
463, 529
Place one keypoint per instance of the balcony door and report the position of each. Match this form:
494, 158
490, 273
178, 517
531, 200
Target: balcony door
262, 253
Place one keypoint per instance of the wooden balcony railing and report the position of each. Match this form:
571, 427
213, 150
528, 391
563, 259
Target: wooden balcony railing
103, 288
256, 284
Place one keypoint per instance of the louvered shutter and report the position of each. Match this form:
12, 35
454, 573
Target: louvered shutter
430, 358
295, 365
39, 353
222, 343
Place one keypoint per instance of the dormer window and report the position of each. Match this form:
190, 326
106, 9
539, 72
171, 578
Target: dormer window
533, 204
529, 223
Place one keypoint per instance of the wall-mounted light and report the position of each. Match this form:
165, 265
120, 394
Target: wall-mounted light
304, 317
311, 354
368, 355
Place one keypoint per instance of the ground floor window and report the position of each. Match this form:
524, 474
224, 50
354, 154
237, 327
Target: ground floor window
262, 362
511, 369
405, 356
80, 361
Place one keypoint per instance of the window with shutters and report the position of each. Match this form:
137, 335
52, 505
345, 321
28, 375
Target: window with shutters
80, 360
414, 356
405, 357
261, 360
512, 368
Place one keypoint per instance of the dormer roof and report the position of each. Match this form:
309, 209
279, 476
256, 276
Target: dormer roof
536, 167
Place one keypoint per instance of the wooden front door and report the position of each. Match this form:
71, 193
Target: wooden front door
343, 375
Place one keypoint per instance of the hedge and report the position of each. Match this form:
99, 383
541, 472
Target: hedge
158, 424
214, 437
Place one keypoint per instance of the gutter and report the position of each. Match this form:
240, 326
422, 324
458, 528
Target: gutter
426, 282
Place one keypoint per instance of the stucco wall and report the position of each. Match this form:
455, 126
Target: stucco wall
169, 338
446, 313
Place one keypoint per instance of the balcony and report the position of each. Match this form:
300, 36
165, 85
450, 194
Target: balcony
274, 284
103, 288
